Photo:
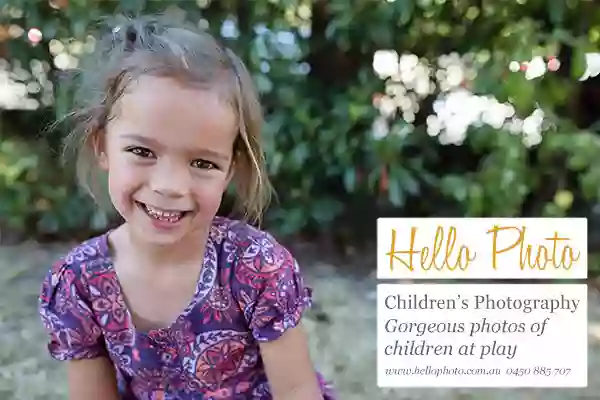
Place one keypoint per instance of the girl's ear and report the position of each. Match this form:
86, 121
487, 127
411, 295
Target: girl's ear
98, 147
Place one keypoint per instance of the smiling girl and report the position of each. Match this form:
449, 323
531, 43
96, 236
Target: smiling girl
176, 303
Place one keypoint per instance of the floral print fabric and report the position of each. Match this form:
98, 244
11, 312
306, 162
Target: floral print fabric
250, 290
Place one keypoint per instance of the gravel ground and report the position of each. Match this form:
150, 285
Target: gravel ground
344, 310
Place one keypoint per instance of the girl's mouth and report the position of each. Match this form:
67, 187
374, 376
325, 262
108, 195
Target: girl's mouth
170, 216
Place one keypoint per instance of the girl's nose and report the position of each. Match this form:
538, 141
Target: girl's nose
169, 180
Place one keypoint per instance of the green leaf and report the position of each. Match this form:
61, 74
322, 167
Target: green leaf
406, 9
325, 210
396, 195
557, 11
350, 179
405, 179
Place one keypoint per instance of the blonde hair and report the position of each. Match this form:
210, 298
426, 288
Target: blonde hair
154, 46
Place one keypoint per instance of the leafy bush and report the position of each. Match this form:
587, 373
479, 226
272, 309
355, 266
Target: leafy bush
346, 143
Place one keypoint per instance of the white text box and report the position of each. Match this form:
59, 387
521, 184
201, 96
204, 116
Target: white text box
470, 335
482, 248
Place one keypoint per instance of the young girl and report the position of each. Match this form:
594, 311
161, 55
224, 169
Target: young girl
176, 303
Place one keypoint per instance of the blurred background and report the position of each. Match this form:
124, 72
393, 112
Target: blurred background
373, 108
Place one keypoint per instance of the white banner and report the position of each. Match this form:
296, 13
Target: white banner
476, 335
482, 248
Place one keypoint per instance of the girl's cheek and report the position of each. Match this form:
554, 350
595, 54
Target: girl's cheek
211, 196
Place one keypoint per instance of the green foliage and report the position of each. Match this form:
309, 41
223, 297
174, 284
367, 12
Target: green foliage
325, 162
34, 196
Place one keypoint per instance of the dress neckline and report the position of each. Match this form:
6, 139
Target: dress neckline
204, 284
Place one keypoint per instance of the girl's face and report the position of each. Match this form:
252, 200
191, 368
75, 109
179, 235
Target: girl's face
168, 153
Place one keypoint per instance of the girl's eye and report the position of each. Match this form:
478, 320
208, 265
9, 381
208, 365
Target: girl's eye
140, 152
202, 164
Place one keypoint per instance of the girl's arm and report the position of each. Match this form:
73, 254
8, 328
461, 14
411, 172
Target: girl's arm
274, 303
92, 379
74, 334
289, 368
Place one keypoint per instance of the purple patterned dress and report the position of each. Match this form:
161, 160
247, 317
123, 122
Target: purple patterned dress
250, 290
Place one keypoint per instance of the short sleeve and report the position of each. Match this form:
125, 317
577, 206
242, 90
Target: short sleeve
66, 315
282, 297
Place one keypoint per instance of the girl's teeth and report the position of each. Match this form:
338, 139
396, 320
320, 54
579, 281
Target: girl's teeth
170, 216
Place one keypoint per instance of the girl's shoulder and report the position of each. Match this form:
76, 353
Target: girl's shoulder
238, 236
77, 264
64, 301
264, 278
249, 249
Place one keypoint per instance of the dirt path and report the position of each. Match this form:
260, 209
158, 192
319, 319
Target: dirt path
344, 311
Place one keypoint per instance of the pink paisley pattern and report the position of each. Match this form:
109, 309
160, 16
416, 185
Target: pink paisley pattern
250, 290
